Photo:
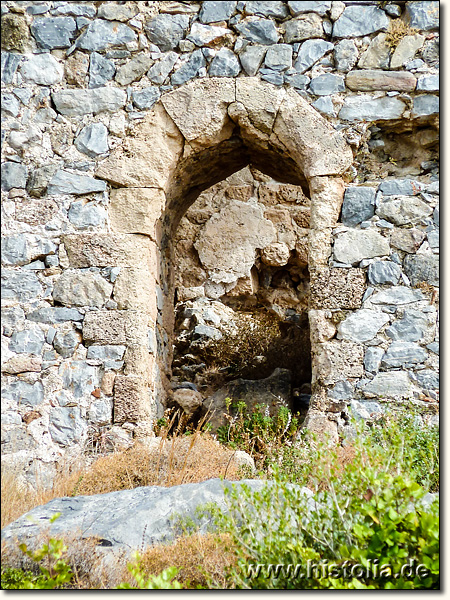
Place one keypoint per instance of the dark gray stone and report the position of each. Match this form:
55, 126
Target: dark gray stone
267, 9
101, 34
213, 12
310, 52
423, 15
9, 64
358, 205
436, 215
20, 285
343, 390
372, 359
327, 84
320, 7
383, 272
422, 267
345, 55
159, 72
144, 99
190, 69
14, 175
66, 342
93, 140
424, 106
10, 105
101, 70
86, 215
400, 354
410, 328
79, 378
400, 187
54, 314
66, 426
357, 21
54, 32
23, 248
29, 341
279, 57
166, 31
64, 182
21, 392
111, 356
74, 103
428, 379
225, 64
274, 77
260, 31
251, 59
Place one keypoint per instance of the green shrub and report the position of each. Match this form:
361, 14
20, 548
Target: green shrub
164, 581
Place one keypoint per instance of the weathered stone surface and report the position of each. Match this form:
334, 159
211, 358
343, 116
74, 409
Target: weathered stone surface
37, 184
131, 399
20, 285
54, 314
146, 98
406, 50
74, 103
422, 267
133, 70
23, 248
305, 27
428, 83
337, 288
29, 341
358, 205
15, 32
100, 34
400, 354
12, 319
134, 289
357, 21
64, 182
101, 70
343, 390
53, 32
377, 55
251, 59
81, 289
325, 106
358, 108
116, 12
190, 69
327, 84
310, 52
42, 69
66, 425
401, 187
354, 245
260, 31
9, 64
276, 255
410, 328
428, 379
315, 146
79, 378
227, 244
136, 210
279, 57
224, 64
426, 105
404, 210
267, 9
337, 360
423, 15
14, 175
362, 325
159, 72
320, 7
93, 140
119, 327
372, 359
396, 384
213, 12
111, 356
100, 412
397, 295
21, 363
345, 55
166, 31
383, 272
72, 8
86, 215
189, 400
206, 35
21, 392
66, 342
367, 80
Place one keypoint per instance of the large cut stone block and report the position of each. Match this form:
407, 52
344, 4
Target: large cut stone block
337, 288
338, 360
327, 195
135, 289
136, 210
131, 399
122, 327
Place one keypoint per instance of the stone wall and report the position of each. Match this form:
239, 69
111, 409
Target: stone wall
87, 90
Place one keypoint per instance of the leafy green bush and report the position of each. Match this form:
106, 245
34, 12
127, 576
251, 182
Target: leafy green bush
164, 581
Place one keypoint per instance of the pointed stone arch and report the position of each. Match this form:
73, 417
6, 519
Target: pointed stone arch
194, 137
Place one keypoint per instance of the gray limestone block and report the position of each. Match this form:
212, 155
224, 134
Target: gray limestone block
327, 84
54, 314
100, 412
21, 392
190, 69
400, 354
144, 99
274, 77
297, 81
251, 59
101, 34
260, 31
428, 83
75, 9
279, 57
345, 55
424, 106
400, 187
362, 108
101, 70
410, 328
93, 140
365, 410
357, 21
74, 103
384, 272
324, 104
397, 296
353, 246
159, 72
133, 69
166, 31
320, 7
66, 425
213, 12
423, 15
225, 64
79, 378
372, 359
9, 65
428, 379
29, 341
42, 69
53, 32
20, 285
342, 390
362, 325
13, 175
66, 342
86, 215
111, 356
310, 52
64, 182
81, 289
10, 105
23, 248
358, 205
267, 9
12, 319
